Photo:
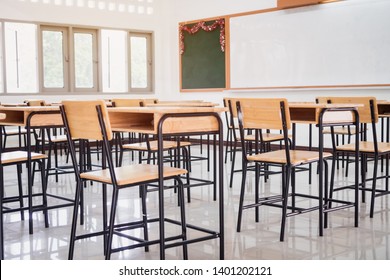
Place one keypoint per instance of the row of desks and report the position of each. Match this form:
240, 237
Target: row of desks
145, 119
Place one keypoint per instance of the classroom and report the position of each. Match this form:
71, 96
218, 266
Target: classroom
128, 128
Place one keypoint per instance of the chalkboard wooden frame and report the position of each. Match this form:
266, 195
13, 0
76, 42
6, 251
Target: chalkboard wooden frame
203, 58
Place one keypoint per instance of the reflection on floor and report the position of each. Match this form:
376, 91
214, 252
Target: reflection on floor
370, 241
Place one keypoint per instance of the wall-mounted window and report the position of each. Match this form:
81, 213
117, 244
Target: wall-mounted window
21, 57
58, 58
55, 58
85, 60
126, 61
140, 62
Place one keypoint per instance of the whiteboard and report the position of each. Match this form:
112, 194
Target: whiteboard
335, 44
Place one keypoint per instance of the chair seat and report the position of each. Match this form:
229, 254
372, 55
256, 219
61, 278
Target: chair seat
132, 174
341, 131
142, 146
19, 156
56, 139
366, 147
15, 131
279, 157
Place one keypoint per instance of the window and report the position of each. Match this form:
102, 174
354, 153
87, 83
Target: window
21, 57
85, 60
58, 58
140, 62
114, 61
55, 59
115, 46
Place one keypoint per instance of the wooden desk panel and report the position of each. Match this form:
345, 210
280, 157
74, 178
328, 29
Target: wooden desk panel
146, 119
309, 113
383, 108
18, 116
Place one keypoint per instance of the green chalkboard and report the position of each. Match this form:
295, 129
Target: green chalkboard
203, 61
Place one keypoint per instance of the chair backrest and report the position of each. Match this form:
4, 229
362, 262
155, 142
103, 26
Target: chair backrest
83, 121
264, 113
231, 104
149, 101
35, 102
322, 99
364, 111
123, 102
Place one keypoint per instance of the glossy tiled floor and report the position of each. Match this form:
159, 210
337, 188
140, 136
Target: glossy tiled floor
371, 240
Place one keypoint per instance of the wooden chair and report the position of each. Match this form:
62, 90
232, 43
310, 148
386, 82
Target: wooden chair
262, 114
55, 141
344, 132
229, 131
247, 138
35, 102
89, 120
126, 102
14, 132
373, 149
19, 158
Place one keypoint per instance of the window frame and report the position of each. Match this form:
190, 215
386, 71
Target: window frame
65, 62
69, 59
95, 59
150, 60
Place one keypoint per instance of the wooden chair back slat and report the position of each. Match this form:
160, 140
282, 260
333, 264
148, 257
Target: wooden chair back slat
264, 113
83, 119
35, 102
123, 102
322, 100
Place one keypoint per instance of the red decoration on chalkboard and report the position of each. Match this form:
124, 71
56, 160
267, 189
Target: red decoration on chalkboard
208, 28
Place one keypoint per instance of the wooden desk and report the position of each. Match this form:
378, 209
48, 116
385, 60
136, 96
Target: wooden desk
383, 107
146, 119
18, 116
384, 116
309, 113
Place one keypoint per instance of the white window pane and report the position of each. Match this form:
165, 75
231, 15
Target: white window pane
114, 69
83, 48
138, 60
53, 62
21, 57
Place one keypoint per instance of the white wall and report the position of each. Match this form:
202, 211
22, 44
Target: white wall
148, 15
163, 20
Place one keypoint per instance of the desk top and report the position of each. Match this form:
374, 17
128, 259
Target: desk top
131, 119
320, 105
167, 109
183, 104
12, 104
